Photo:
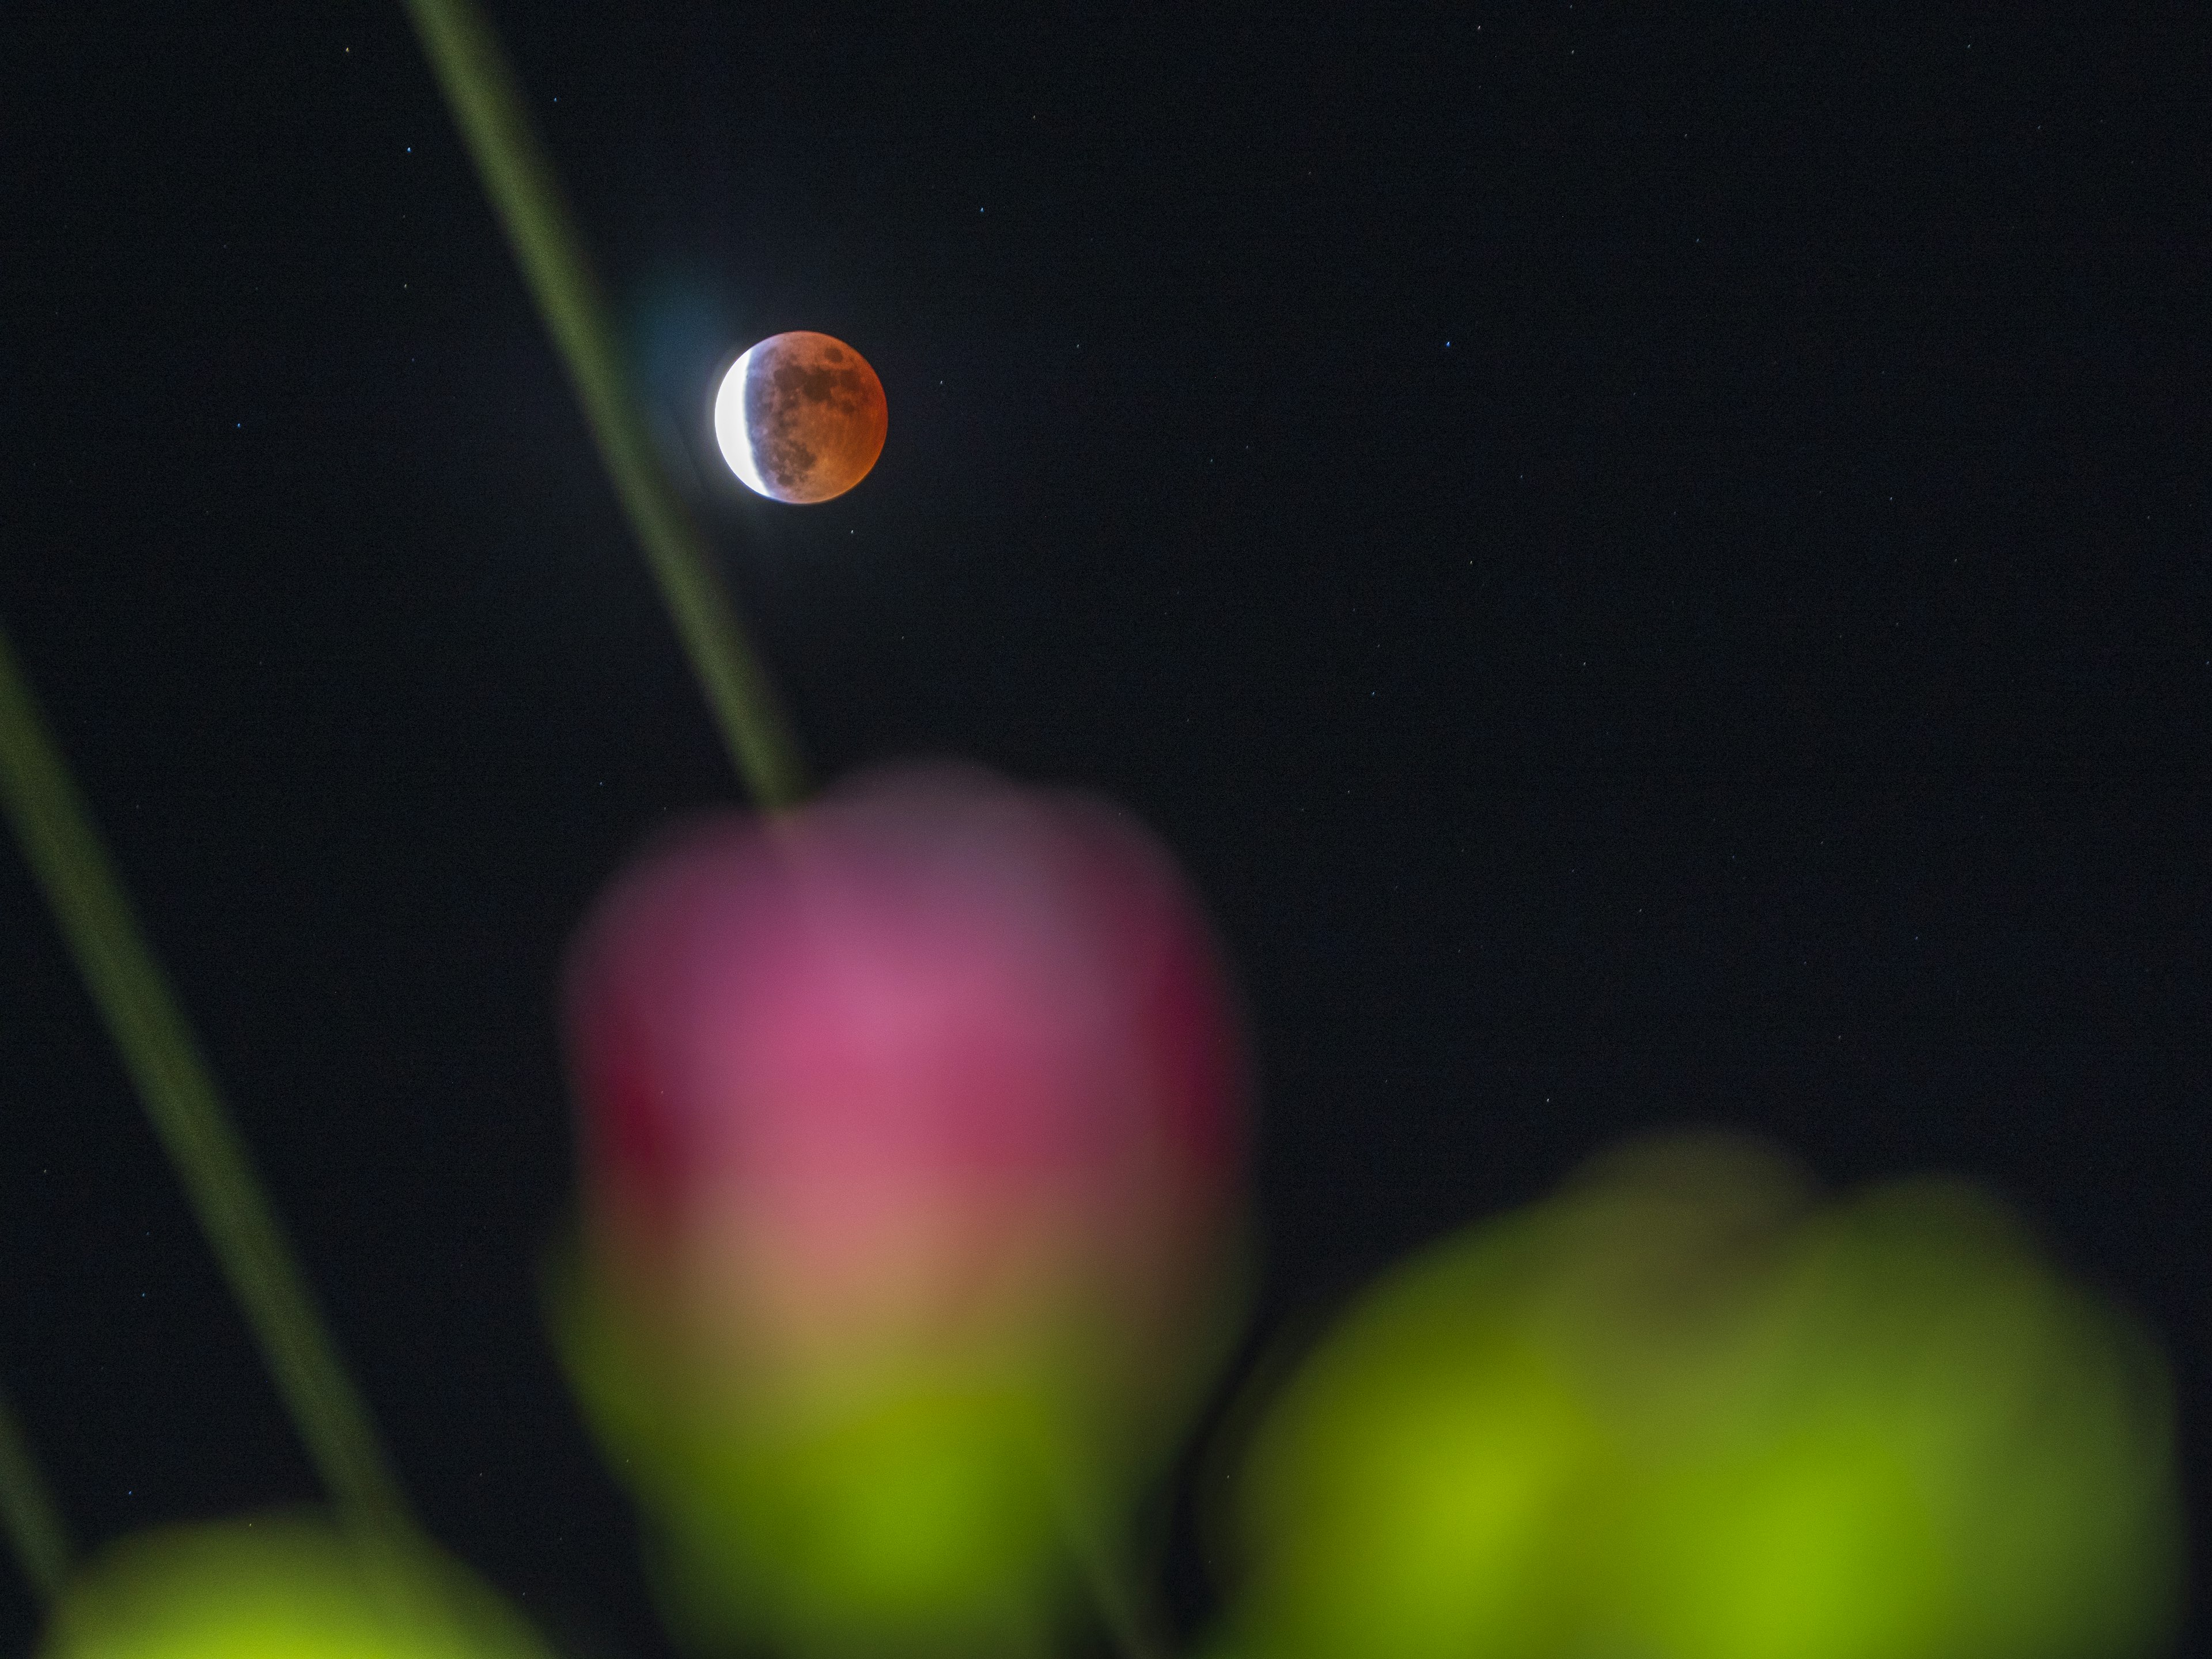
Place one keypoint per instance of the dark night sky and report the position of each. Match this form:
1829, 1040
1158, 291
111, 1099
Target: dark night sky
1653, 573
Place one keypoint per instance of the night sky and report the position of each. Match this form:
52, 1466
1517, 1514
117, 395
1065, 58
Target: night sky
1653, 573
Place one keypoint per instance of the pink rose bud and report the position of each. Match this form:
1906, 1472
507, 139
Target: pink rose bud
921, 1105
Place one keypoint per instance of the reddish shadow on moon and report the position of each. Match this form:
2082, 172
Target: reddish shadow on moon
800, 417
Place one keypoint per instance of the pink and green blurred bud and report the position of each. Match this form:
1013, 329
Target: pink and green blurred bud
913, 1125
280, 1587
1678, 1410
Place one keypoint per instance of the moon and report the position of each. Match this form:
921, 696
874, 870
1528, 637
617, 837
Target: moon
800, 417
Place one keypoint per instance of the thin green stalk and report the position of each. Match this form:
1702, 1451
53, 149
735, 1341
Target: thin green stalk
1119, 1606
480, 90
158, 1050
35, 1525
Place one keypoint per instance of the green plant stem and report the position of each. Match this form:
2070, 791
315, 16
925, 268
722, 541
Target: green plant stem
34, 1526
1117, 1601
481, 91
158, 1050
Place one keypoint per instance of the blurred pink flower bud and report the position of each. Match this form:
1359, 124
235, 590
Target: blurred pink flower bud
933, 1078
904, 1062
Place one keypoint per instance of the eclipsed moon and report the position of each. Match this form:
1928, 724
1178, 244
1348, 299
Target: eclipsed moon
800, 417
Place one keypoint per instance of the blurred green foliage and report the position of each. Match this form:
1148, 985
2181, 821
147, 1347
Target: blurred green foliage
1680, 1411
280, 1587
938, 1501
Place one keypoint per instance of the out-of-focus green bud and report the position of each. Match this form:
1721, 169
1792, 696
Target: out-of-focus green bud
1451, 1472
280, 1587
1955, 1455
1425, 1474
924, 1495
1676, 1412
